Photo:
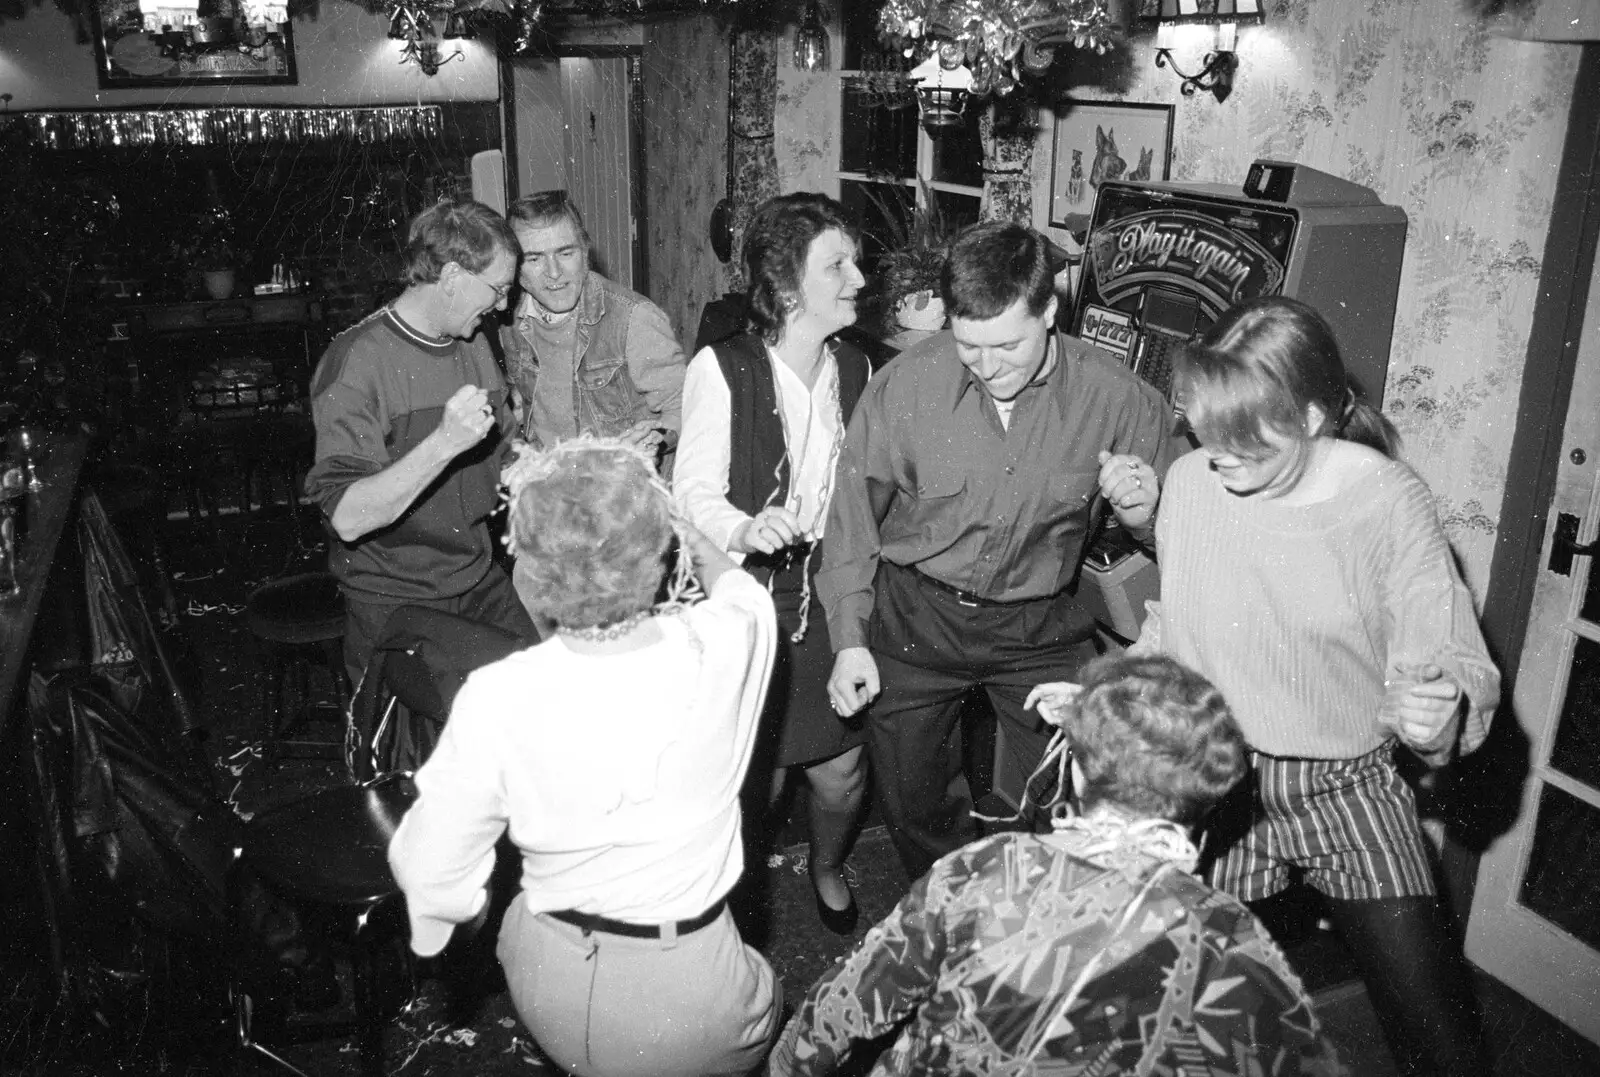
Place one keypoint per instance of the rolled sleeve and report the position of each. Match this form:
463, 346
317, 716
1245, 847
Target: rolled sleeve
656, 364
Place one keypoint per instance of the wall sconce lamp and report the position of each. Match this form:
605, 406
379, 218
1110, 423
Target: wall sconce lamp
811, 40
1221, 62
944, 86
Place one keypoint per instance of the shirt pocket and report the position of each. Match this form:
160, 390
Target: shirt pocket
937, 480
608, 393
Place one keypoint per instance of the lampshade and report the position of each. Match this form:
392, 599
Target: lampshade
1178, 11
942, 91
457, 26
168, 14
811, 41
402, 24
265, 12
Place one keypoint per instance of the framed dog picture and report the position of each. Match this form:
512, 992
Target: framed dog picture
1104, 140
219, 46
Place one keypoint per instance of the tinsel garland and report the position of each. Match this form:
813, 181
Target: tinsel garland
1000, 40
230, 126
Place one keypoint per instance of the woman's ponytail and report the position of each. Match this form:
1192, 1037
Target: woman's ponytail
1364, 424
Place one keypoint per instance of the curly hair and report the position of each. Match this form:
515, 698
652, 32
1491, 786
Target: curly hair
992, 265
467, 233
1259, 367
1154, 737
776, 242
591, 529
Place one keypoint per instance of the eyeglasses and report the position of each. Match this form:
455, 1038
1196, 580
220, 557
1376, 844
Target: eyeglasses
500, 290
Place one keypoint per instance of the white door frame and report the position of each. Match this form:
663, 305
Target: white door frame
1537, 958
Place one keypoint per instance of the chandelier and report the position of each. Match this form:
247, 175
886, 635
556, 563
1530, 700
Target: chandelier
1000, 41
244, 25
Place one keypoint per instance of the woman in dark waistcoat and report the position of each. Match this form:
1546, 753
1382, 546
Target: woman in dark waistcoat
764, 416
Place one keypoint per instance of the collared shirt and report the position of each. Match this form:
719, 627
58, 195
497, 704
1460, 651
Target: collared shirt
617, 775
930, 478
1027, 955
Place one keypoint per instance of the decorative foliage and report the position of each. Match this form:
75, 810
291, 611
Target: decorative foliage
210, 243
1000, 40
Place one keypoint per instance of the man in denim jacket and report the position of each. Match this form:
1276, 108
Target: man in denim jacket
583, 353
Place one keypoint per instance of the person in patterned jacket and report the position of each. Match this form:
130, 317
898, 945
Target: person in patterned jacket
1091, 950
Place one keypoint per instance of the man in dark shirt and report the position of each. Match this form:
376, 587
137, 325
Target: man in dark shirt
966, 490
412, 420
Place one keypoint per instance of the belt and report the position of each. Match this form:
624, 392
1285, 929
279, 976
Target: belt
967, 598
784, 560
589, 923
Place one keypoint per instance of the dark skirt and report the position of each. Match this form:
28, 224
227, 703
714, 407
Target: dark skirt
799, 725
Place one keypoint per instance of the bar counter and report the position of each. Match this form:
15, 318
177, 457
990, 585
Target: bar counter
49, 511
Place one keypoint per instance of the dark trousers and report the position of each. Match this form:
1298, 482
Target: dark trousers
1418, 982
931, 648
492, 601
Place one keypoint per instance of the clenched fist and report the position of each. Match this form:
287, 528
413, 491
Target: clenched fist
467, 418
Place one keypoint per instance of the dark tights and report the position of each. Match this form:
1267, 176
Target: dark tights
1418, 983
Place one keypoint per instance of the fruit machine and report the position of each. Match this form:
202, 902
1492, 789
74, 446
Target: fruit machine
1161, 263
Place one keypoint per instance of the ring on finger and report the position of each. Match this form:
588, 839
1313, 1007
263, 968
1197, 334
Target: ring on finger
1137, 481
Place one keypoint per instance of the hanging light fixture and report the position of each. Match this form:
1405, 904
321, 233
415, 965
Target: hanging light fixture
402, 23
1221, 62
457, 27
944, 86
811, 40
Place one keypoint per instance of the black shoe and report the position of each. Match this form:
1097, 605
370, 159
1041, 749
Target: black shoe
839, 921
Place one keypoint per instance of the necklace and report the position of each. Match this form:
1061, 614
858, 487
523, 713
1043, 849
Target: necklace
605, 633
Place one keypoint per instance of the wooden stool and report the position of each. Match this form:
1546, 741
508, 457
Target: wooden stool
298, 621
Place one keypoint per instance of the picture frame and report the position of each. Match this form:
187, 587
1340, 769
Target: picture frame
222, 52
1099, 140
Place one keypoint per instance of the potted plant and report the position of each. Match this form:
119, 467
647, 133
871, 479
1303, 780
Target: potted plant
211, 251
909, 271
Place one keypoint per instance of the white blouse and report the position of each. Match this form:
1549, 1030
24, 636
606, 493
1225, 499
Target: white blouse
811, 426
618, 775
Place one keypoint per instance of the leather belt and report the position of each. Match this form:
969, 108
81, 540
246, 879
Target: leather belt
588, 922
967, 598
790, 557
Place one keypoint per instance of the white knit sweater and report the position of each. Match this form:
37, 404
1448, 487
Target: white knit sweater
1301, 613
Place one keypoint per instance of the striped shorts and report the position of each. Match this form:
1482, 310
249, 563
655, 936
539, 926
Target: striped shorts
1351, 824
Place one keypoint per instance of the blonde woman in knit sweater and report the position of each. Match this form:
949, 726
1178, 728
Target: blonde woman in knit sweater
1305, 572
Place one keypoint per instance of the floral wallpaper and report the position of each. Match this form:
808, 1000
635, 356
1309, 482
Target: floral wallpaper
753, 99
685, 90
1460, 128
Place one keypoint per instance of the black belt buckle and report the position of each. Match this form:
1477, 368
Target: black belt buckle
963, 598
